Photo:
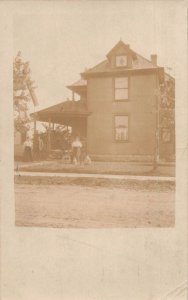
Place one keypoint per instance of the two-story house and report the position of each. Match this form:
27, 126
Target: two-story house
122, 95
120, 111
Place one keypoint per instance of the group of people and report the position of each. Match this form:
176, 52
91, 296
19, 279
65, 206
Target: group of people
79, 152
34, 150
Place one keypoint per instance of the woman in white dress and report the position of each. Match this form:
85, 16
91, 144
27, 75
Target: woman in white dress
28, 150
76, 150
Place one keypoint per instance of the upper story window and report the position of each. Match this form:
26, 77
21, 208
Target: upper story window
121, 88
121, 61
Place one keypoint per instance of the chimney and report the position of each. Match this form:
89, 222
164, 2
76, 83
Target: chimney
154, 59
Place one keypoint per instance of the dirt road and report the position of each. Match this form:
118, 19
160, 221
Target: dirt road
92, 207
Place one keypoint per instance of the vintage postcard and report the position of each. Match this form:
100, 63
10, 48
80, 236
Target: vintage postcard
94, 147
97, 152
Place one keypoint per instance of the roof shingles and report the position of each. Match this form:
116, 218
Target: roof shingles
138, 63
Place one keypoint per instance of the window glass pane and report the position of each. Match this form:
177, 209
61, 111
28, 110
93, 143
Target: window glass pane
121, 128
121, 94
122, 134
121, 82
121, 60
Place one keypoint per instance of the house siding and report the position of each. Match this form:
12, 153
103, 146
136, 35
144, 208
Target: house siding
139, 108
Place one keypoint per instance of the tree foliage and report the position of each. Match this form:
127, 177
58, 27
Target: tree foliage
22, 84
167, 102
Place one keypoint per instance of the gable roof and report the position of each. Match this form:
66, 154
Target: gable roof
118, 45
78, 86
138, 61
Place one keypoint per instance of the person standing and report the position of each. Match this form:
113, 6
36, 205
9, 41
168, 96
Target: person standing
76, 150
83, 151
41, 147
36, 146
28, 150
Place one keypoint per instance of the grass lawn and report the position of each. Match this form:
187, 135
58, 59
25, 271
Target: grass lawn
132, 184
113, 168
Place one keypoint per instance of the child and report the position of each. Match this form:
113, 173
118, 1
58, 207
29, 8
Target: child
87, 160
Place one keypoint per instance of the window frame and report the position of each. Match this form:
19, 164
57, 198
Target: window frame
128, 89
114, 127
121, 55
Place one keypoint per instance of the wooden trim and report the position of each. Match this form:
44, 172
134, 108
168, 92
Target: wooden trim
117, 72
129, 84
121, 55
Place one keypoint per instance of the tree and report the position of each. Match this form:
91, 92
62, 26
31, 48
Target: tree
23, 93
165, 111
167, 102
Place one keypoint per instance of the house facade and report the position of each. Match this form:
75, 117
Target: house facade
123, 97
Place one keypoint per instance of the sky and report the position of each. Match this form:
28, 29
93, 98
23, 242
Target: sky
63, 40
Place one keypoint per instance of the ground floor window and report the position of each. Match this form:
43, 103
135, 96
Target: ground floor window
121, 128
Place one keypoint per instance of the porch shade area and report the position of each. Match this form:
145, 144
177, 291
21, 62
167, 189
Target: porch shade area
65, 113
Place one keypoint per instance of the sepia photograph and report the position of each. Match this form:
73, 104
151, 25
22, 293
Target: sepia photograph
94, 124
93, 150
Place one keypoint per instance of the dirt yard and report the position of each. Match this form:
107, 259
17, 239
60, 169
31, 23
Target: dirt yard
77, 206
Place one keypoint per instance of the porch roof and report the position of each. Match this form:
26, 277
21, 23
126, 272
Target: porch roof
65, 112
78, 86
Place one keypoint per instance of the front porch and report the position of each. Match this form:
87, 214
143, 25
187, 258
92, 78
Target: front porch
70, 116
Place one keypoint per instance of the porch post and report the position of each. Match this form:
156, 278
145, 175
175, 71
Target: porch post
35, 125
49, 135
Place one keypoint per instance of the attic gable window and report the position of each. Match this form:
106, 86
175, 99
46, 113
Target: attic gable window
121, 61
121, 88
